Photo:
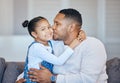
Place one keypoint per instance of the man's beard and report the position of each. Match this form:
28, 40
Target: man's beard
56, 38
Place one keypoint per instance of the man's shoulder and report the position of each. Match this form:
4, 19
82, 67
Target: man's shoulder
36, 45
93, 41
92, 38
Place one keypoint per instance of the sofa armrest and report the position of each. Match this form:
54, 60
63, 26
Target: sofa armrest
2, 68
13, 69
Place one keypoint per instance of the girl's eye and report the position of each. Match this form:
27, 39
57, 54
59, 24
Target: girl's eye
49, 27
43, 29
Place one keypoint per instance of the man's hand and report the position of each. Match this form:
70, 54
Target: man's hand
22, 80
42, 76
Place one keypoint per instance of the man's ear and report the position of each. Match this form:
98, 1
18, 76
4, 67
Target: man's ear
34, 34
71, 27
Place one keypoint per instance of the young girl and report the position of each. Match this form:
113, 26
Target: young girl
40, 51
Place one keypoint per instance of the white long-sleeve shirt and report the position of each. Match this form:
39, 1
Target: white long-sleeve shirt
86, 65
38, 52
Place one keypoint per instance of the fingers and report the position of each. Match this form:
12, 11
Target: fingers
37, 75
35, 80
22, 80
33, 69
79, 39
81, 36
30, 73
33, 76
42, 67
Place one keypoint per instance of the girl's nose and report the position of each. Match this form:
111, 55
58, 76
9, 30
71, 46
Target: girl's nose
50, 30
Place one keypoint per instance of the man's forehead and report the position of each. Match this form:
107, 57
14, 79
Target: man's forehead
59, 16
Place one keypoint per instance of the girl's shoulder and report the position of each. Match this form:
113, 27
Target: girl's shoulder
36, 45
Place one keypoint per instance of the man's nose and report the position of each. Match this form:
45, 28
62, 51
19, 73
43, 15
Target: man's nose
53, 27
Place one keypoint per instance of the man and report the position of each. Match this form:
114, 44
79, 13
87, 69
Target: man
88, 62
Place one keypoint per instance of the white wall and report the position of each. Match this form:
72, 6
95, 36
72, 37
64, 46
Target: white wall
14, 48
101, 19
6, 17
112, 29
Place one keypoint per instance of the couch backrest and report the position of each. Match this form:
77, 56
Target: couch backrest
2, 68
113, 70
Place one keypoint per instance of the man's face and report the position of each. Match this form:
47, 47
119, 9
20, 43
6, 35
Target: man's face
60, 25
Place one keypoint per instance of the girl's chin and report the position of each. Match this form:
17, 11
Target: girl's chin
50, 39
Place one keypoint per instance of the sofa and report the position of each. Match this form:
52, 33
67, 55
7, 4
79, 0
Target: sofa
10, 70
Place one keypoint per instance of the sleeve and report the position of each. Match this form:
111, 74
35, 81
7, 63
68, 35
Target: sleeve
92, 67
42, 53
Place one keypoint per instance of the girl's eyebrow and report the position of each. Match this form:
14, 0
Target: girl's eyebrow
43, 26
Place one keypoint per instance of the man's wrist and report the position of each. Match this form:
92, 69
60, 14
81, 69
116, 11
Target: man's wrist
53, 78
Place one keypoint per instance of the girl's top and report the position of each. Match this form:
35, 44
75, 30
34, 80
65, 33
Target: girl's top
38, 54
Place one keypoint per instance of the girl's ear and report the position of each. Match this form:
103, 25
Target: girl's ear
34, 34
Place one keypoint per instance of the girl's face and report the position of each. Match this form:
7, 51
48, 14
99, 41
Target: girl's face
43, 31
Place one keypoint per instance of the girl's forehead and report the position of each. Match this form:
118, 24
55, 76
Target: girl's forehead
42, 22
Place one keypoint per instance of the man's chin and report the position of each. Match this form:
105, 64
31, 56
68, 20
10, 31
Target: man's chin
56, 38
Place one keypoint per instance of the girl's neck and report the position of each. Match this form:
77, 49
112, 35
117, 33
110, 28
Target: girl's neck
45, 43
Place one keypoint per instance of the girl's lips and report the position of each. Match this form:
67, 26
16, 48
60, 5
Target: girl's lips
50, 35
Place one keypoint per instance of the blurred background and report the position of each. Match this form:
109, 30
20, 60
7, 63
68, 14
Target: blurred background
101, 19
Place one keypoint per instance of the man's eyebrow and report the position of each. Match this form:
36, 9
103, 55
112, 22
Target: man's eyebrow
55, 21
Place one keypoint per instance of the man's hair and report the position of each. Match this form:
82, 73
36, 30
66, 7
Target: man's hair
72, 14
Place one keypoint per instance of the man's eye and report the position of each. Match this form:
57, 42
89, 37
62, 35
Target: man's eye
57, 24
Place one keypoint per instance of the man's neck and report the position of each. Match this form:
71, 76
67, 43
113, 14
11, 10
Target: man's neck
70, 38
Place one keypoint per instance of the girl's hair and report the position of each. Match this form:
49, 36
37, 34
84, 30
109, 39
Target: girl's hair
32, 24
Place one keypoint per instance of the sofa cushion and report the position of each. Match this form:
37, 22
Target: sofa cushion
113, 70
2, 67
13, 69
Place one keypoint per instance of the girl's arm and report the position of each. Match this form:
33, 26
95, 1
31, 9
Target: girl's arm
41, 52
78, 40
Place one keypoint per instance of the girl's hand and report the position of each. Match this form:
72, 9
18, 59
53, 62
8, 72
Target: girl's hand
78, 40
81, 36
